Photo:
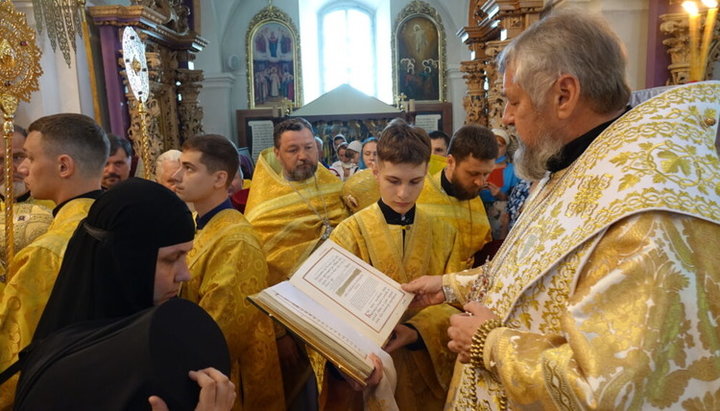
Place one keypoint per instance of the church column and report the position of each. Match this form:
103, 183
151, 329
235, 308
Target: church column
189, 110
216, 91
495, 100
675, 28
475, 100
492, 24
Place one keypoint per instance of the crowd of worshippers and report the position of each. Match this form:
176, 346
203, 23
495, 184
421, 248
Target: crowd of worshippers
78, 179
126, 293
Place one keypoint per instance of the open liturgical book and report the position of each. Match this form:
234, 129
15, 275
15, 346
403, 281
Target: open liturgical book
339, 305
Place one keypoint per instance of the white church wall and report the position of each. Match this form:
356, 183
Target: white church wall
218, 84
226, 69
629, 19
232, 22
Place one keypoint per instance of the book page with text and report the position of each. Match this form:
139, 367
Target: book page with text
353, 290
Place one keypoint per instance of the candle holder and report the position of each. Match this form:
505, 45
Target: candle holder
699, 49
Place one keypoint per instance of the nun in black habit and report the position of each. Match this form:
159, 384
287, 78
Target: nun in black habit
112, 335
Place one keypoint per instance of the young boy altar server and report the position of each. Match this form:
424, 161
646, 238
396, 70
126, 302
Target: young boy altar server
404, 242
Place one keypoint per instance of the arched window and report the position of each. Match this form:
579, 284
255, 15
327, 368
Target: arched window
347, 48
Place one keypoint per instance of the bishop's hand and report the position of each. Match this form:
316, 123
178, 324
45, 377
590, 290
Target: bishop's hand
463, 327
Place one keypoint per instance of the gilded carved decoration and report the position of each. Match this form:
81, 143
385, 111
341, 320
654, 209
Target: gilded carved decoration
136, 73
675, 27
63, 20
174, 11
173, 111
487, 20
170, 119
495, 101
474, 102
19, 73
189, 109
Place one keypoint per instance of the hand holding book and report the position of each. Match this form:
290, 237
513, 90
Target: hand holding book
339, 305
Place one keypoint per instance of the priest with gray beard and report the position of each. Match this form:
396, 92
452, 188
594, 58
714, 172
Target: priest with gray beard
604, 294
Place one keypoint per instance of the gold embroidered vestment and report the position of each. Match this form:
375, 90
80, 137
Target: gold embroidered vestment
609, 283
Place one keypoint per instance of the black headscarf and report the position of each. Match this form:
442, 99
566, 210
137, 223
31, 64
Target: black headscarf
108, 270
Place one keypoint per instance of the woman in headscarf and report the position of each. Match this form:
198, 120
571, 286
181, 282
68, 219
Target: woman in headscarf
99, 342
369, 153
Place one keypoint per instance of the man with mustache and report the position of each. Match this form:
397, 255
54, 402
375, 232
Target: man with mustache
452, 193
117, 166
293, 206
604, 294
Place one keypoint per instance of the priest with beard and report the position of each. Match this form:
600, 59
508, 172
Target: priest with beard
605, 293
451, 194
293, 206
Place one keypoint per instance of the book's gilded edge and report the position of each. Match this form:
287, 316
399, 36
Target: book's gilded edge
357, 375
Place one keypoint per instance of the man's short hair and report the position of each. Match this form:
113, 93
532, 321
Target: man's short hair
170, 155
217, 153
401, 143
475, 140
76, 135
570, 42
118, 142
434, 135
19, 130
291, 124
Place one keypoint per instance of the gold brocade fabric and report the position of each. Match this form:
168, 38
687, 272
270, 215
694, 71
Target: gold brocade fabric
609, 281
360, 190
29, 222
429, 248
49, 204
287, 226
436, 164
467, 216
32, 275
227, 264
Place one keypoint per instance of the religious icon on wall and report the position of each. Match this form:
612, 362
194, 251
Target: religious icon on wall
273, 51
419, 53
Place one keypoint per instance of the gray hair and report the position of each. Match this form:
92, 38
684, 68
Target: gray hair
170, 155
570, 42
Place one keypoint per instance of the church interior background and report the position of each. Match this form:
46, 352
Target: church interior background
202, 78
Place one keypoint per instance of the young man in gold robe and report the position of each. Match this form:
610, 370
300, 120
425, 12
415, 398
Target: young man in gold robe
404, 242
65, 158
605, 293
227, 264
452, 193
293, 205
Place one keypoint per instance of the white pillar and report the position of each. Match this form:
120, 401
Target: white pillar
215, 100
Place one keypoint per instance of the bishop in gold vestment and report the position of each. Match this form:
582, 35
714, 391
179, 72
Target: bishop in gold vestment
429, 247
609, 284
31, 278
227, 264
